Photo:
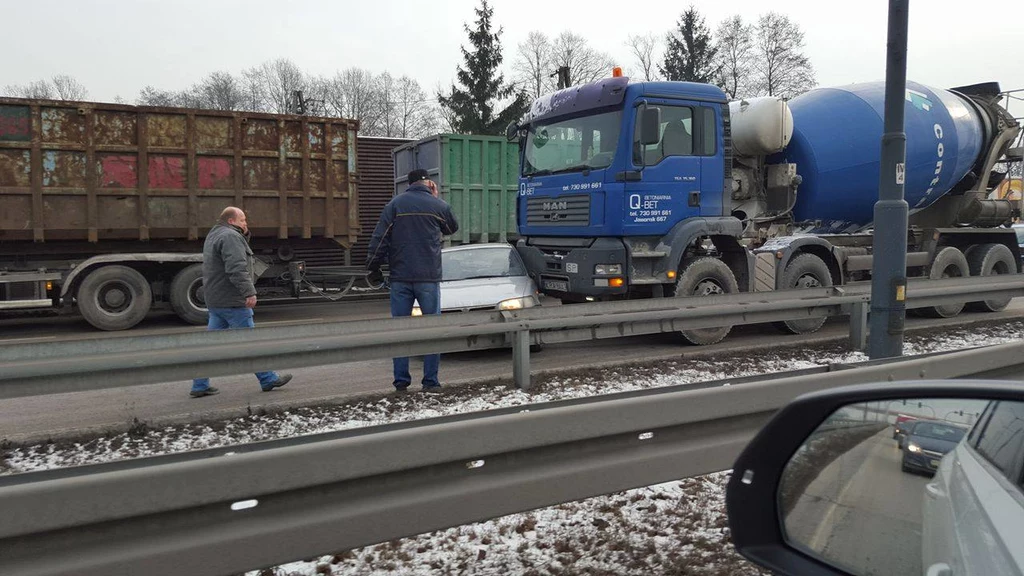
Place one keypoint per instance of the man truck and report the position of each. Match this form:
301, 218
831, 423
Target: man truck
664, 189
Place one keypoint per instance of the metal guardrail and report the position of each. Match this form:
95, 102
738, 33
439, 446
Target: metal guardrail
226, 510
33, 369
48, 368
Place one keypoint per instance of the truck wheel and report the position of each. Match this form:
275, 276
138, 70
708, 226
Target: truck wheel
187, 295
804, 271
114, 297
949, 263
705, 277
989, 260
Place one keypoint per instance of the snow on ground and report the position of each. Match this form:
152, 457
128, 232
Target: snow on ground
673, 528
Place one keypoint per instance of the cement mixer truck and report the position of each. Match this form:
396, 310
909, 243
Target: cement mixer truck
664, 189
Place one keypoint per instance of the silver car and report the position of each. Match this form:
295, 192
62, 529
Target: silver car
484, 277
974, 507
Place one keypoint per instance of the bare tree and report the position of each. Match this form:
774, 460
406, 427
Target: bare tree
781, 67
385, 90
253, 92
446, 117
533, 65
150, 96
353, 95
218, 91
67, 88
278, 80
414, 115
585, 64
735, 57
643, 48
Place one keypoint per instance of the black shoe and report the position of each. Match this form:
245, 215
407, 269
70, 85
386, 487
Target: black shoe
281, 381
207, 392
401, 388
435, 388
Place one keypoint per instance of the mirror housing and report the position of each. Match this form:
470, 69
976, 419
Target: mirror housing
650, 126
753, 492
512, 131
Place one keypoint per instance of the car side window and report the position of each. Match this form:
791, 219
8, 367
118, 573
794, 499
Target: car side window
685, 131
1001, 440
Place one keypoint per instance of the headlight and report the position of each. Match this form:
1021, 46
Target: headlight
914, 448
416, 311
607, 269
517, 303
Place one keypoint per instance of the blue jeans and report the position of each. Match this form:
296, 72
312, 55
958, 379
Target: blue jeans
232, 318
428, 294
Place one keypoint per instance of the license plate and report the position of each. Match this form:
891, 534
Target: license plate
556, 285
934, 463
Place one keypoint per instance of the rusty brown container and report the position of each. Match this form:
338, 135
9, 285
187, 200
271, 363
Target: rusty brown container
78, 171
376, 166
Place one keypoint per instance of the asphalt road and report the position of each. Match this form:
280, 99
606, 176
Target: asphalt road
862, 513
61, 415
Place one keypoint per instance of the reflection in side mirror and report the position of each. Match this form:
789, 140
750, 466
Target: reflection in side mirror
916, 486
650, 126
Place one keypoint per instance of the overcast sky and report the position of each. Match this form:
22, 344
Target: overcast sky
117, 47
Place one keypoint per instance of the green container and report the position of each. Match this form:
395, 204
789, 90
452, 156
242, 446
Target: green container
478, 176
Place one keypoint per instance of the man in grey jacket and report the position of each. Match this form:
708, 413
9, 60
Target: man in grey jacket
228, 287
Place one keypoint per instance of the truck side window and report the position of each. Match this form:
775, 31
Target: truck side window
676, 136
1003, 437
682, 134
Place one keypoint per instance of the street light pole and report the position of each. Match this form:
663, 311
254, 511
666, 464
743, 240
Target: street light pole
889, 266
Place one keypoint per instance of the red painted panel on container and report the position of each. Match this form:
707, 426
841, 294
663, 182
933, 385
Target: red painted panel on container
215, 173
166, 172
118, 171
15, 124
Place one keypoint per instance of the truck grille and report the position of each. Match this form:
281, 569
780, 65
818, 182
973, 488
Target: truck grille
561, 211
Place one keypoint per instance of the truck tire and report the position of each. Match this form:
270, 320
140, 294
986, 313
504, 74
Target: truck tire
187, 295
705, 277
804, 271
949, 262
989, 260
114, 297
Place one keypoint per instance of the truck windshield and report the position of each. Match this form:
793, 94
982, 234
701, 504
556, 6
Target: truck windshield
572, 145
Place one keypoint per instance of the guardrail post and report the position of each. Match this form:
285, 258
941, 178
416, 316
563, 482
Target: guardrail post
859, 326
521, 359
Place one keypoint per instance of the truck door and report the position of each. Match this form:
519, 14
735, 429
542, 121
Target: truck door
669, 189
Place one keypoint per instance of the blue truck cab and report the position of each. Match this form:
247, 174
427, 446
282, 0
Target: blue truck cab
622, 184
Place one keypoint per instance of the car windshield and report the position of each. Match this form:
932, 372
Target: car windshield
938, 431
572, 145
480, 263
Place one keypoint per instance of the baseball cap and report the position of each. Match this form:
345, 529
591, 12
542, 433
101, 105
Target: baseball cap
417, 175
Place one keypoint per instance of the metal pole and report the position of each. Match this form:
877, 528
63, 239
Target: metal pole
889, 267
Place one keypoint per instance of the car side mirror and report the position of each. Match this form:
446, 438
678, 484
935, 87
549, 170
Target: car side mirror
650, 126
885, 479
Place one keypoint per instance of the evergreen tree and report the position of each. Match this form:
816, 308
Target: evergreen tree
691, 55
472, 106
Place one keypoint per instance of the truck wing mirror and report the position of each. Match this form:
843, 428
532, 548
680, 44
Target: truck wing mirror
512, 131
650, 126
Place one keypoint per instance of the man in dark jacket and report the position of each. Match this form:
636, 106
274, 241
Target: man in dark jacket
228, 288
408, 239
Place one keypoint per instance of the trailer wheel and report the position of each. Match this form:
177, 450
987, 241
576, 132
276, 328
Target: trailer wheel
705, 277
949, 262
187, 295
989, 260
114, 297
804, 271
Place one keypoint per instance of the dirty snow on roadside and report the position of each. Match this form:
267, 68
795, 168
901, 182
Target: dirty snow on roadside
672, 528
